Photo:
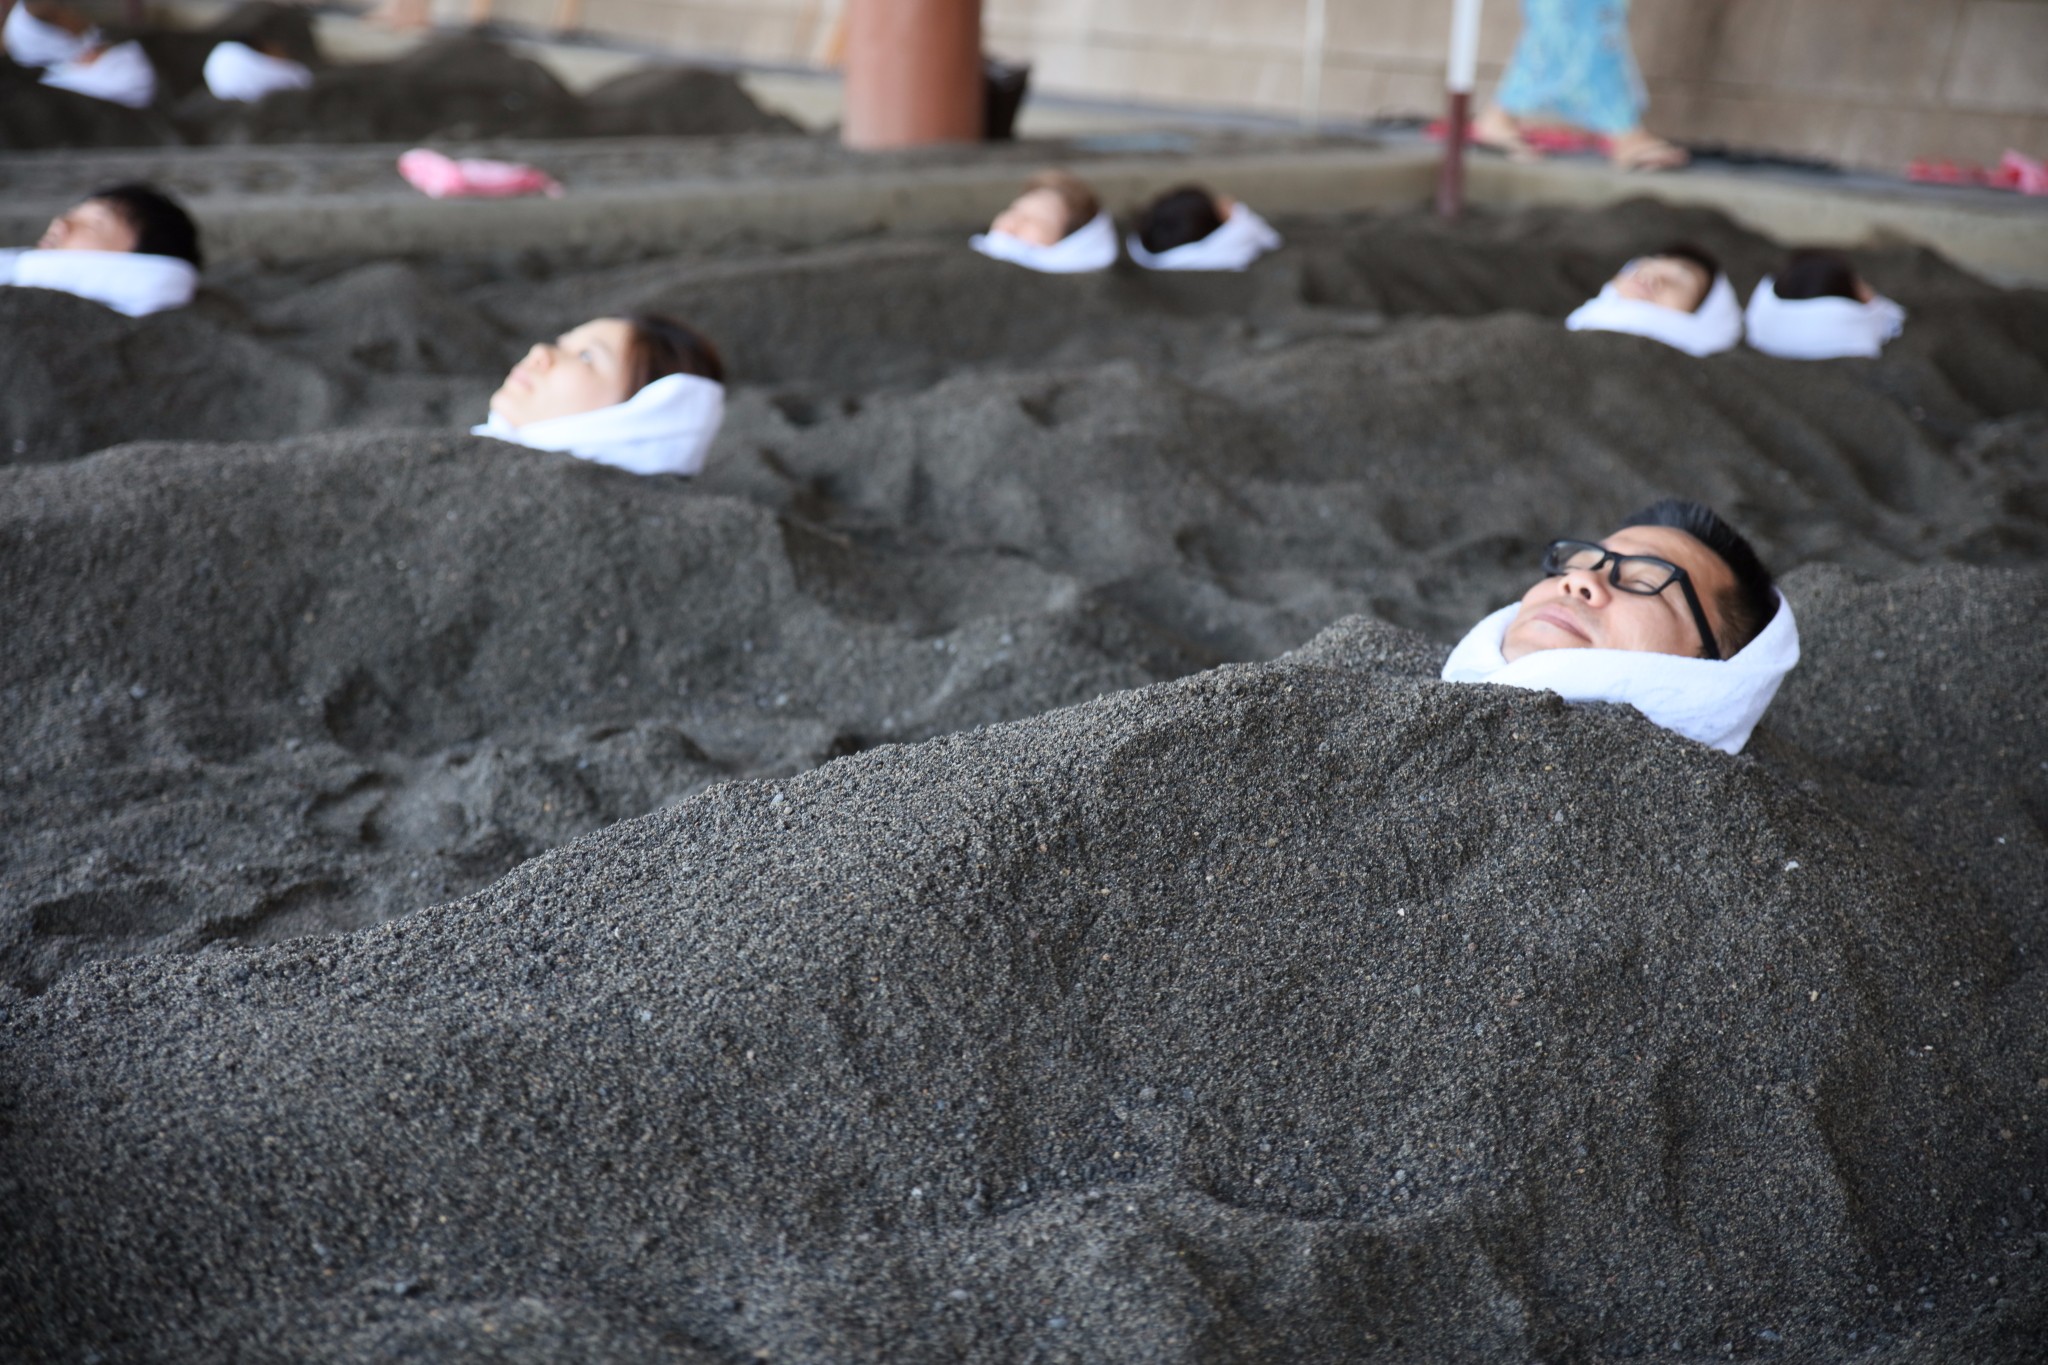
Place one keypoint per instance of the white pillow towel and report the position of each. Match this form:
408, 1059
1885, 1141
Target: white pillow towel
1242, 239
1820, 329
126, 281
666, 428
1715, 326
236, 71
120, 75
32, 42
1091, 246
1715, 701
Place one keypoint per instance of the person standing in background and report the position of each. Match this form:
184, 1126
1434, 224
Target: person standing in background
1573, 65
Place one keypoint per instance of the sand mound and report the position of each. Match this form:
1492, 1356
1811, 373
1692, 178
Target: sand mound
1299, 1008
323, 683
453, 88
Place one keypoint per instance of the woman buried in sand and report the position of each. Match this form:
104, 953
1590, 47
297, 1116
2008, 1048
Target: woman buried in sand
1677, 296
129, 247
1057, 226
642, 393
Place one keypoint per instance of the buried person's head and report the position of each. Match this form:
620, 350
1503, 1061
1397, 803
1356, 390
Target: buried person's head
1678, 278
1672, 614
642, 393
601, 364
1180, 217
1674, 579
126, 218
1054, 205
1817, 273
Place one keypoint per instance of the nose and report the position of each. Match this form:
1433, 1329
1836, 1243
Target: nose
1589, 586
541, 355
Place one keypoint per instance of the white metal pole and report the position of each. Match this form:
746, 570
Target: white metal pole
1464, 61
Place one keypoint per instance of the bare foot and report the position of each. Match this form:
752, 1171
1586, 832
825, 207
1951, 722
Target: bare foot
1640, 150
1498, 130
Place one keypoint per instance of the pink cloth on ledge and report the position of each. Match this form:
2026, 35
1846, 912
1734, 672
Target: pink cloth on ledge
443, 177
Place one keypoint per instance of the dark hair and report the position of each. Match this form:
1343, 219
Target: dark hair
1178, 217
1081, 203
1748, 606
1816, 273
662, 346
161, 227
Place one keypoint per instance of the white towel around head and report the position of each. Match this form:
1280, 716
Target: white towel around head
236, 71
1820, 329
1242, 239
34, 42
1715, 326
1714, 701
666, 428
120, 75
1091, 246
126, 281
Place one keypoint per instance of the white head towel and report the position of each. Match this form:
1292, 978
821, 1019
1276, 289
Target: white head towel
1715, 701
1242, 239
1820, 329
125, 281
666, 428
1715, 326
120, 75
1091, 246
236, 71
32, 42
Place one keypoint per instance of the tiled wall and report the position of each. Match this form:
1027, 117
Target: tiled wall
1867, 82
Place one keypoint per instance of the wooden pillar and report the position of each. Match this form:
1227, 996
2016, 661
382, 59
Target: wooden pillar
913, 73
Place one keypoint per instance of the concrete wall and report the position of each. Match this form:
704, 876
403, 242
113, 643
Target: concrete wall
1870, 83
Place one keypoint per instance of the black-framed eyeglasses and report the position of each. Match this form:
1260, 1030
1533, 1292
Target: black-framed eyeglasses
1642, 575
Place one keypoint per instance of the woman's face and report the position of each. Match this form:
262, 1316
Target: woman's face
1039, 217
94, 225
1667, 281
580, 371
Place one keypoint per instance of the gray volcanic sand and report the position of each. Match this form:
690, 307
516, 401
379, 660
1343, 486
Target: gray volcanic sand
1306, 1009
457, 87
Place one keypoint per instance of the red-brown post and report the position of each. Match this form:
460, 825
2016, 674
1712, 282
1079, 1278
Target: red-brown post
913, 73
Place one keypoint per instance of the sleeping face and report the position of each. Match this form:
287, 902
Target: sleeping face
580, 371
1667, 281
1037, 216
1583, 609
94, 225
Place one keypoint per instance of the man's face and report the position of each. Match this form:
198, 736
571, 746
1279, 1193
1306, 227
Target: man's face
1583, 610
1039, 217
1667, 281
94, 225
580, 371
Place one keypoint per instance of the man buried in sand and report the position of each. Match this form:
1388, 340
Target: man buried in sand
1673, 614
1677, 296
129, 247
643, 393
1057, 226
